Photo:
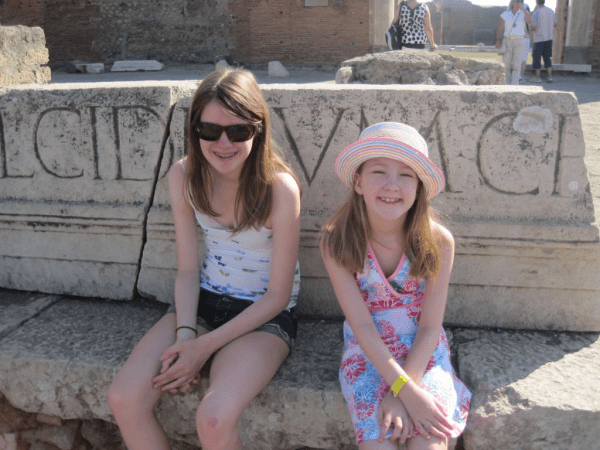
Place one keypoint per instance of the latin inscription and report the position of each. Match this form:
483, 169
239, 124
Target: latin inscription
125, 142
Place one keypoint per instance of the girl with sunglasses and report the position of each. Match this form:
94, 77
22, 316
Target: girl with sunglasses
234, 186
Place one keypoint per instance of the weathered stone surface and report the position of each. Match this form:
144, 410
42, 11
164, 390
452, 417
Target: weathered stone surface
22, 46
532, 390
18, 307
24, 75
13, 419
63, 437
102, 435
77, 178
519, 224
94, 68
134, 66
222, 63
23, 52
49, 420
344, 75
77, 182
68, 374
419, 67
276, 69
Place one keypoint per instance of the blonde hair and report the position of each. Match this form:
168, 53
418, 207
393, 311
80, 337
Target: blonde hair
238, 92
346, 233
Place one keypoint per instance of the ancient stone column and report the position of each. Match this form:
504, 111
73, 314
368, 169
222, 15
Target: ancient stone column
579, 29
382, 13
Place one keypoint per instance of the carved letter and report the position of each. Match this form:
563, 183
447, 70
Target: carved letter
142, 144
4, 158
59, 136
294, 147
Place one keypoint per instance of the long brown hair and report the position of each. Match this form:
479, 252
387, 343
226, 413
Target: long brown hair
345, 235
238, 92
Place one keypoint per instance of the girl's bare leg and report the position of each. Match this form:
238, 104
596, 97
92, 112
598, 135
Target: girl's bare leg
239, 371
376, 445
131, 396
433, 443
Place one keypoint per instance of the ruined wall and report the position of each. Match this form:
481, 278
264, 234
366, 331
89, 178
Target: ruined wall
297, 31
109, 30
251, 31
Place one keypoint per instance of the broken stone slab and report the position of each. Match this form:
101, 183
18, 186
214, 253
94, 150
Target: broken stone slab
76, 186
134, 66
22, 46
222, 63
516, 238
83, 67
418, 67
16, 308
276, 69
531, 390
68, 375
344, 75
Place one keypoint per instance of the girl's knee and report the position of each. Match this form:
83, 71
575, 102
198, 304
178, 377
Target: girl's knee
215, 419
123, 398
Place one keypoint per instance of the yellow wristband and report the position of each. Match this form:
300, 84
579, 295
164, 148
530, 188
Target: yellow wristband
399, 384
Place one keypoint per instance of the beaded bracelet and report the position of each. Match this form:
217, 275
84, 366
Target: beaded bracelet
185, 326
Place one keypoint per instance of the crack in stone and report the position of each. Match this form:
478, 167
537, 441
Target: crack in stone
165, 139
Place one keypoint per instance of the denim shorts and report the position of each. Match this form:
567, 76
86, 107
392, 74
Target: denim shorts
215, 310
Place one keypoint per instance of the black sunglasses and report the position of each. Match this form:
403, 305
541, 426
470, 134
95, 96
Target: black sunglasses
235, 133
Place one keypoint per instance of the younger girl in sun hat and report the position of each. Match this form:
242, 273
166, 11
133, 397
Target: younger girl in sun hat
389, 261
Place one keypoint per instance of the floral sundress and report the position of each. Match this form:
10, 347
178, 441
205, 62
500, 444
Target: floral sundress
395, 305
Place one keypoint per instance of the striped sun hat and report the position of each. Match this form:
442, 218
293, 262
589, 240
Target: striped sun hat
395, 141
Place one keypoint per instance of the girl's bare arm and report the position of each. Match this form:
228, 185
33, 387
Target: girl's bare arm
432, 309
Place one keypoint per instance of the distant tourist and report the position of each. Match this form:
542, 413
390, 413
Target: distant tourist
513, 31
543, 23
415, 20
528, 40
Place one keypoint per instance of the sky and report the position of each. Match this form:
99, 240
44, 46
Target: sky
549, 3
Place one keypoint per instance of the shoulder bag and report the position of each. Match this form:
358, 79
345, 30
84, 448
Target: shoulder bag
393, 36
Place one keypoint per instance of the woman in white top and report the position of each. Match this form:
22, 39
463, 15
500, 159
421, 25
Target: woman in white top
513, 30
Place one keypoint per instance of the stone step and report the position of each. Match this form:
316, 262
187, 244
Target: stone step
532, 390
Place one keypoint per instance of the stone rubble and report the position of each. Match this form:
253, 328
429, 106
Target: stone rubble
23, 56
420, 67
277, 70
134, 66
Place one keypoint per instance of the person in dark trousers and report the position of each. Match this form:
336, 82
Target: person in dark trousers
543, 22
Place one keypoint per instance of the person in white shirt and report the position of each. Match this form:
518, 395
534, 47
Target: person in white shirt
513, 30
